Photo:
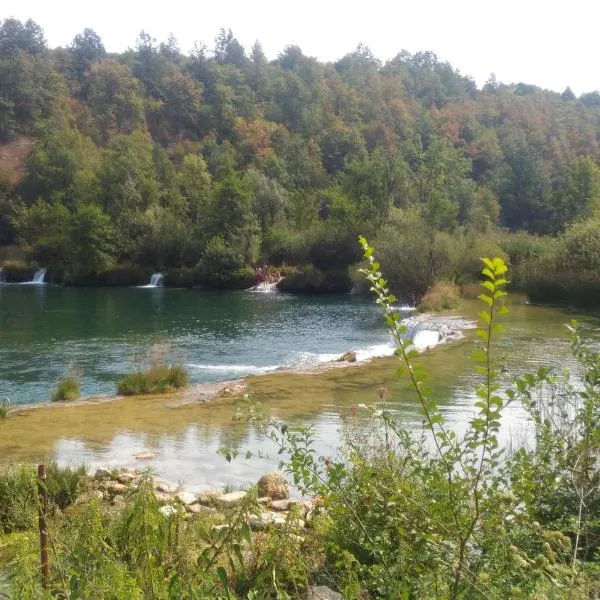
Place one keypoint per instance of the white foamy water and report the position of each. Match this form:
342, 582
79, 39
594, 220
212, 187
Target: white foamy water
238, 369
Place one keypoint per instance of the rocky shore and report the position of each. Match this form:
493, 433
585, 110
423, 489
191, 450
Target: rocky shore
274, 506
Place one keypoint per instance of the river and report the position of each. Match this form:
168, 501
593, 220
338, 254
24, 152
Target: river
47, 331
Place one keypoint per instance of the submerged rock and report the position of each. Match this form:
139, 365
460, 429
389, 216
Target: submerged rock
274, 486
146, 455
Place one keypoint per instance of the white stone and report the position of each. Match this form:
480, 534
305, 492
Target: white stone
283, 505
231, 499
167, 510
186, 498
262, 521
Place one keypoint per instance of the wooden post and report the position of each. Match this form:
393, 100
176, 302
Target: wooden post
43, 507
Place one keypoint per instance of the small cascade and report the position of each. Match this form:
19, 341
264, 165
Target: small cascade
156, 281
264, 288
38, 278
2, 276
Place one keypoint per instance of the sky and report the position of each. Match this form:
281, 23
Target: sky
550, 43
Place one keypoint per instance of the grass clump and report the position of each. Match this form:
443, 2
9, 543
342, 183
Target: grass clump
442, 295
68, 388
158, 379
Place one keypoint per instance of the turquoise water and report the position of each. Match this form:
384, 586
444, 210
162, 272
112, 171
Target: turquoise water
101, 333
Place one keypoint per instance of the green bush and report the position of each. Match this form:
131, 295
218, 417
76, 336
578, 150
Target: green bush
310, 280
158, 379
19, 493
443, 295
68, 388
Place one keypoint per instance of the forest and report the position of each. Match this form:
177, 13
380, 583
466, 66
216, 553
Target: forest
202, 166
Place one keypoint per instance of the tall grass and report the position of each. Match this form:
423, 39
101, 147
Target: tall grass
155, 380
68, 388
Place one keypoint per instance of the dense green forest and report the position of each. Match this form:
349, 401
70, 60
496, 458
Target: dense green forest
116, 165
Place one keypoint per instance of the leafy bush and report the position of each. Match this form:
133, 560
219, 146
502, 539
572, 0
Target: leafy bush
442, 295
68, 388
309, 279
158, 379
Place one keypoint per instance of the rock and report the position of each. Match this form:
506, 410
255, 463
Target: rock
186, 498
274, 486
283, 505
146, 455
219, 528
163, 486
231, 499
264, 501
102, 474
197, 509
126, 478
118, 501
264, 520
167, 511
115, 488
322, 592
163, 496
209, 497
89, 497
347, 357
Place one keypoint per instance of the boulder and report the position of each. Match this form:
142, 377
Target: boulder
274, 486
264, 520
163, 496
231, 499
283, 505
186, 498
322, 592
208, 497
102, 474
347, 357
126, 478
115, 488
162, 486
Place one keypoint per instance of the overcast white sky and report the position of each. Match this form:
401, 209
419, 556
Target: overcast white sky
551, 43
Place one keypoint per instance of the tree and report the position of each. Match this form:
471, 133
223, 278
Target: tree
228, 50
86, 48
18, 37
579, 194
114, 97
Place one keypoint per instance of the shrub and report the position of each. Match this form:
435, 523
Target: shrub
68, 388
158, 379
443, 295
311, 280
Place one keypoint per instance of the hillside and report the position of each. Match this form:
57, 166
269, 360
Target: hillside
202, 165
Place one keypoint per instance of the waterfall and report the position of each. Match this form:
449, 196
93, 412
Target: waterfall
38, 277
156, 281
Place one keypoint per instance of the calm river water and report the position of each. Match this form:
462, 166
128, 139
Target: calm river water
46, 331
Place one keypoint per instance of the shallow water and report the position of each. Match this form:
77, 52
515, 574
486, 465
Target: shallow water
264, 330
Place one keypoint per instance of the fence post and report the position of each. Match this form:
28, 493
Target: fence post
42, 508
